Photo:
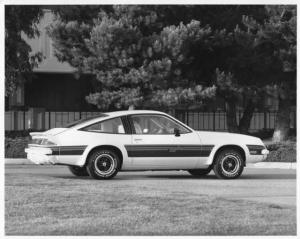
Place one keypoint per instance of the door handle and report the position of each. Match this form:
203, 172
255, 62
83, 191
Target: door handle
138, 139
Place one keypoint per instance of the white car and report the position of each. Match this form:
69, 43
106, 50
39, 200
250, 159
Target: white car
143, 140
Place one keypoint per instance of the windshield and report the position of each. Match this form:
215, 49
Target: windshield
77, 122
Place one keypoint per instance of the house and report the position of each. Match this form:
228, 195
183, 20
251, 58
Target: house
55, 86
52, 80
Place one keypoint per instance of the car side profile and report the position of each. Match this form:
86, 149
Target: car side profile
143, 140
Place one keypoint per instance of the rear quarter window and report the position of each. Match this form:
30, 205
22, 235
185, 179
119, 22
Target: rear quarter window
112, 126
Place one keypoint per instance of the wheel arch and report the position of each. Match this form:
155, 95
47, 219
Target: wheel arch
230, 146
109, 147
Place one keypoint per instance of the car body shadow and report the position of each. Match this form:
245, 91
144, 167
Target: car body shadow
128, 176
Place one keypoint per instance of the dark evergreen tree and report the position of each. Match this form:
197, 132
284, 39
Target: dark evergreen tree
278, 37
135, 57
263, 63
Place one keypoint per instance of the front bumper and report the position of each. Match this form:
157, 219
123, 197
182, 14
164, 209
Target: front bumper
257, 156
39, 155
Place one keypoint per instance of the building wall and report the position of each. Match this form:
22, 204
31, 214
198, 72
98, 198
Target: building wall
43, 42
54, 85
59, 92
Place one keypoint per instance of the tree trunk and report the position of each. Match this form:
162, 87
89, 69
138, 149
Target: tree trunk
231, 117
245, 121
283, 120
131, 107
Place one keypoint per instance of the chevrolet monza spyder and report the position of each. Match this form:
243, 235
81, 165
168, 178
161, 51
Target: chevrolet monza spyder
143, 140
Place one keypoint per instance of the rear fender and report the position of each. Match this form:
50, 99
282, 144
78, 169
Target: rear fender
84, 156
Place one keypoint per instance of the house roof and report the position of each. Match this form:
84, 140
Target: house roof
52, 65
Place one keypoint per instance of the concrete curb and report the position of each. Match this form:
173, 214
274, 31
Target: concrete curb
22, 161
279, 165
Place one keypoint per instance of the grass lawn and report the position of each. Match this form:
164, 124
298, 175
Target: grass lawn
37, 204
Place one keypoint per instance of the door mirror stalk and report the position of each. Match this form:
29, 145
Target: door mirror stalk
177, 132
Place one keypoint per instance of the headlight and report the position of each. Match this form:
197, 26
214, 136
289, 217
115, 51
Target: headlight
265, 152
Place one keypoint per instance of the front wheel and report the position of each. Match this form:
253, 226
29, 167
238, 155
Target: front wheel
78, 171
228, 164
103, 164
199, 172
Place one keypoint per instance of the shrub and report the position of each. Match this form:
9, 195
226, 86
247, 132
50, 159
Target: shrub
14, 147
282, 152
18, 133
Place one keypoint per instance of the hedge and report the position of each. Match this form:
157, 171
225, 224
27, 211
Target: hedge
14, 147
282, 152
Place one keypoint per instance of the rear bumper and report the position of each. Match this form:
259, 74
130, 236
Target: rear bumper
39, 155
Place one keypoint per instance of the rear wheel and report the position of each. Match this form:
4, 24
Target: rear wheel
199, 172
78, 171
103, 164
229, 164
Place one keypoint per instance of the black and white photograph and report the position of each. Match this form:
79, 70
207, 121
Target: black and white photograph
149, 119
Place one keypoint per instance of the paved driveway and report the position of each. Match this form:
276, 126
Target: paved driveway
276, 186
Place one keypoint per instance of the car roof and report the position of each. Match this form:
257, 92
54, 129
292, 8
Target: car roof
131, 112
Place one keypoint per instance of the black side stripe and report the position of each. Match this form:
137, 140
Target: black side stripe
68, 150
169, 150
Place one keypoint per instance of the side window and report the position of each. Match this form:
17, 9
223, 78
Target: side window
113, 126
156, 124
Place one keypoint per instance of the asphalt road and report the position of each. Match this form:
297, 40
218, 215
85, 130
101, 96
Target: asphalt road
275, 186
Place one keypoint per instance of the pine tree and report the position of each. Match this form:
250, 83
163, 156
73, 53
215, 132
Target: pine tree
134, 58
277, 37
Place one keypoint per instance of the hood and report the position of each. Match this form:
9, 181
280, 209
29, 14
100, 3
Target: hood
230, 138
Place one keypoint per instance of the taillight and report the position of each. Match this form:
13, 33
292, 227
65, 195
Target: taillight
36, 141
41, 141
47, 142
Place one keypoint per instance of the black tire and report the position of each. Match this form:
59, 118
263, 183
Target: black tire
103, 164
199, 172
78, 171
229, 164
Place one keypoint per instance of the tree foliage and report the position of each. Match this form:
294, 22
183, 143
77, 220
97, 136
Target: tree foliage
135, 58
278, 34
158, 55
262, 52
18, 60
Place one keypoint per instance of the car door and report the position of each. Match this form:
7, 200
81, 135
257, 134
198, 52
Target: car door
155, 145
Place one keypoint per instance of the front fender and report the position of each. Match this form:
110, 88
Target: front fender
219, 147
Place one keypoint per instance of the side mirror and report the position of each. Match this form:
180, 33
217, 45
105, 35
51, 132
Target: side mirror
145, 131
177, 132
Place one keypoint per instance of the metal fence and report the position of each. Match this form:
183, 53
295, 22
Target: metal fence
19, 120
216, 121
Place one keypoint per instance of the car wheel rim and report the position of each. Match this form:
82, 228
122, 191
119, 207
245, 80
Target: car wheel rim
105, 165
230, 164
